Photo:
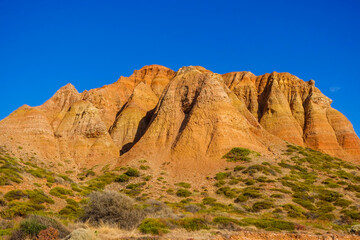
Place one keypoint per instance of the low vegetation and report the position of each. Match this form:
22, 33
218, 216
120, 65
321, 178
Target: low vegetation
302, 190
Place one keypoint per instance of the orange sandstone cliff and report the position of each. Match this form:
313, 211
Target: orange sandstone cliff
192, 117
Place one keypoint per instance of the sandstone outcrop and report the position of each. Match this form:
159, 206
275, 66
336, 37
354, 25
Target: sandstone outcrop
190, 117
295, 111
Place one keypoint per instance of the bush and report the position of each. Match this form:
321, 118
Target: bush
222, 175
251, 192
193, 224
258, 206
31, 228
183, 193
304, 203
144, 167
71, 211
324, 207
226, 223
112, 207
50, 223
241, 198
238, 154
38, 196
342, 203
132, 172
277, 195
122, 178
352, 214
225, 220
227, 192
153, 226
293, 211
208, 200
20, 209
15, 195
60, 192
184, 185
239, 168
328, 196
75, 187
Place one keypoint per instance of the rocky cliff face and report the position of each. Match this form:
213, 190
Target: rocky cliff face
295, 111
192, 117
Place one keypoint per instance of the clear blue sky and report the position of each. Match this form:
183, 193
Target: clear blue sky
46, 44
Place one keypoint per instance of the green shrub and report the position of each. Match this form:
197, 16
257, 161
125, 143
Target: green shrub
342, 203
239, 168
222, 175
5, 232
304, 203
252, 192
75, 187
31, 228
132, 172
225, 220
277, 195
183, 193
71, 211
258, 168
220, 183
135, 185
249, 181
15, 195
60, 192
264, 179
238, 154
208, 200
293, 211
353, 214
328, 196
281, 190
233, 182
241, 198
50, 179
193, 224
100, 182
33, 225
38, 172
184, 184
38, 196
226, 223
228, 192
144, 167
122, 178
170, 191
49, 222
20, 209
153, 226
324, 207
147, 178
10, 172
258, 206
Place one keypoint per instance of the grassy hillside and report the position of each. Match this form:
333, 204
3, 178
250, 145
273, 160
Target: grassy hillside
300, 190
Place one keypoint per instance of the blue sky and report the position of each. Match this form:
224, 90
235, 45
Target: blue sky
47, 44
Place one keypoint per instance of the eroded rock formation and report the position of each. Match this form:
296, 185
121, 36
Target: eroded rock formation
192, 116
